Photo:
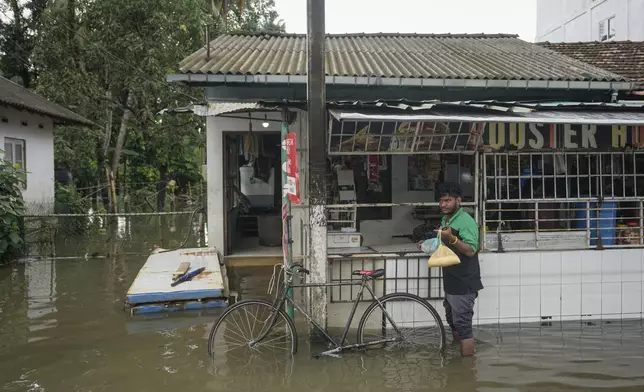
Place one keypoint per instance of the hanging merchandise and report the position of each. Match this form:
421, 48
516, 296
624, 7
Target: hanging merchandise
292, 186
373, 174
251, 146
434, 167
374, 168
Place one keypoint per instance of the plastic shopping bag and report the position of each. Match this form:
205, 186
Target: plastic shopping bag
443, 256
429, 246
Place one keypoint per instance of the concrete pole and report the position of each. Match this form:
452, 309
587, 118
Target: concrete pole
316, 99
215, 184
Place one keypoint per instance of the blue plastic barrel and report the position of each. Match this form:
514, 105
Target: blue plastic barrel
606, 222
527, 173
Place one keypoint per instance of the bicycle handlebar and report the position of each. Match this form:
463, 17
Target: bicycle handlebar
298, 268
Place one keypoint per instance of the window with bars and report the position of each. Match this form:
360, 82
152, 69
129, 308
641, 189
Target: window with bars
404, 137
14, 152
563, 199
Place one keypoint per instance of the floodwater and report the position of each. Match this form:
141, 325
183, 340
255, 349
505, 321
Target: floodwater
63, 328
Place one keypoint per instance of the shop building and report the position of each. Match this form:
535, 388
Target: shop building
550, 165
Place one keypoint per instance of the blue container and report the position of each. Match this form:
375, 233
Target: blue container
606, 222
527, 173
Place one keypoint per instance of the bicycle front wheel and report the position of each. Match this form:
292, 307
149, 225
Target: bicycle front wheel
238, 331
419, 326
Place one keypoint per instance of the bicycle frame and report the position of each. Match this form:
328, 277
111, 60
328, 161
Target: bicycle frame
283, 299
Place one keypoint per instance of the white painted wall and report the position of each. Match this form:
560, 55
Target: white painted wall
578, 20
215, 175
39, 154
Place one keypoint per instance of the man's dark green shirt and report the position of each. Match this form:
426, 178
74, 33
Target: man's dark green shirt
463, 278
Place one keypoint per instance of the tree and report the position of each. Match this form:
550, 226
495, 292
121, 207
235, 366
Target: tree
18, 35
107, 60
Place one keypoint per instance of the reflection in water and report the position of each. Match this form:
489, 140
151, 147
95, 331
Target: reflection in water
63, 328
123, 228
41, 295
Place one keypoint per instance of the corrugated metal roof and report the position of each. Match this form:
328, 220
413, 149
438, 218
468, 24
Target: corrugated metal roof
446, 56
16, 96
625, 58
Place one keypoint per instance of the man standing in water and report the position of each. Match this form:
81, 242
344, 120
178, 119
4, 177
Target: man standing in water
462, 282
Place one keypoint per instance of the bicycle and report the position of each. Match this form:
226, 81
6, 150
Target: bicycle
278, 330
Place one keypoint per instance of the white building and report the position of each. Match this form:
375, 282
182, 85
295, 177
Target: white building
27, 123
590, 20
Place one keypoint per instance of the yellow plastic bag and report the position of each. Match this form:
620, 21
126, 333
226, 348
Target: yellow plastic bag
443, 256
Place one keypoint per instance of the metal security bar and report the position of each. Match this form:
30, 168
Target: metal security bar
403, 274
563, 175
341, 217
392, 138
563, 200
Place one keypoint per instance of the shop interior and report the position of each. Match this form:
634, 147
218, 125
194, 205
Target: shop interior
383, 176
391, 182
253, 197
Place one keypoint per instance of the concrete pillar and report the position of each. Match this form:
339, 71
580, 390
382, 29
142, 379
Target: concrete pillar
316, 97
215, 188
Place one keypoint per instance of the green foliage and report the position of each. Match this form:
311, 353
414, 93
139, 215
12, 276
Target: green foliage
90, 56
69, 201
12, 208
19, 27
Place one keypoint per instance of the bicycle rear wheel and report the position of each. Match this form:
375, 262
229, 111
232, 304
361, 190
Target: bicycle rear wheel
420, 326
244, 323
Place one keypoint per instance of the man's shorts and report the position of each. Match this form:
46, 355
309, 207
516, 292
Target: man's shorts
459, 312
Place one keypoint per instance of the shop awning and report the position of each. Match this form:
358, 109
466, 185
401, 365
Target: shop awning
467, 127
539, 117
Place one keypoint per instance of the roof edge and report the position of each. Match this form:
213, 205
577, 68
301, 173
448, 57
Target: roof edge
51, 109
602, 43
218, 79
64, 120
380, 34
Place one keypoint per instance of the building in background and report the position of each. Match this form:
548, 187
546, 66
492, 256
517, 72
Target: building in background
590, 20
27, 123
625, 58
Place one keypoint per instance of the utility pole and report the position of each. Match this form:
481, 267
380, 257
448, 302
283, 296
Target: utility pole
316, 105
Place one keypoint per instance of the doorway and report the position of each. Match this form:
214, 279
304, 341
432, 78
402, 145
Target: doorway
253, 180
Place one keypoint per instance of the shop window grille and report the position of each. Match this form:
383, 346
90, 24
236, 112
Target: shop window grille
563, 200
384, 137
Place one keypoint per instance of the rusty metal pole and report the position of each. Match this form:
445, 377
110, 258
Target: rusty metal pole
316, 105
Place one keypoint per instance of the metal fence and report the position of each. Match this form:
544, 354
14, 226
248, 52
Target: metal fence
563, 200
100, 235
402, 274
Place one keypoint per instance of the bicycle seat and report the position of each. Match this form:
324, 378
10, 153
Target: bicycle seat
373, 274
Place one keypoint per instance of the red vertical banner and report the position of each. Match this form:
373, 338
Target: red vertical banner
292, 186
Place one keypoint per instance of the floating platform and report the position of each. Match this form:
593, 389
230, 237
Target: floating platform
151, 291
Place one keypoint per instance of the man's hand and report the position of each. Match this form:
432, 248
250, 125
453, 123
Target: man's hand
448, 238
447, 235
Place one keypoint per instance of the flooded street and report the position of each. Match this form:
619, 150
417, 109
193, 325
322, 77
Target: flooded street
63, 328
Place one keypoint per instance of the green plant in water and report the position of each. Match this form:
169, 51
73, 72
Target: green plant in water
70, 201
12, 209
